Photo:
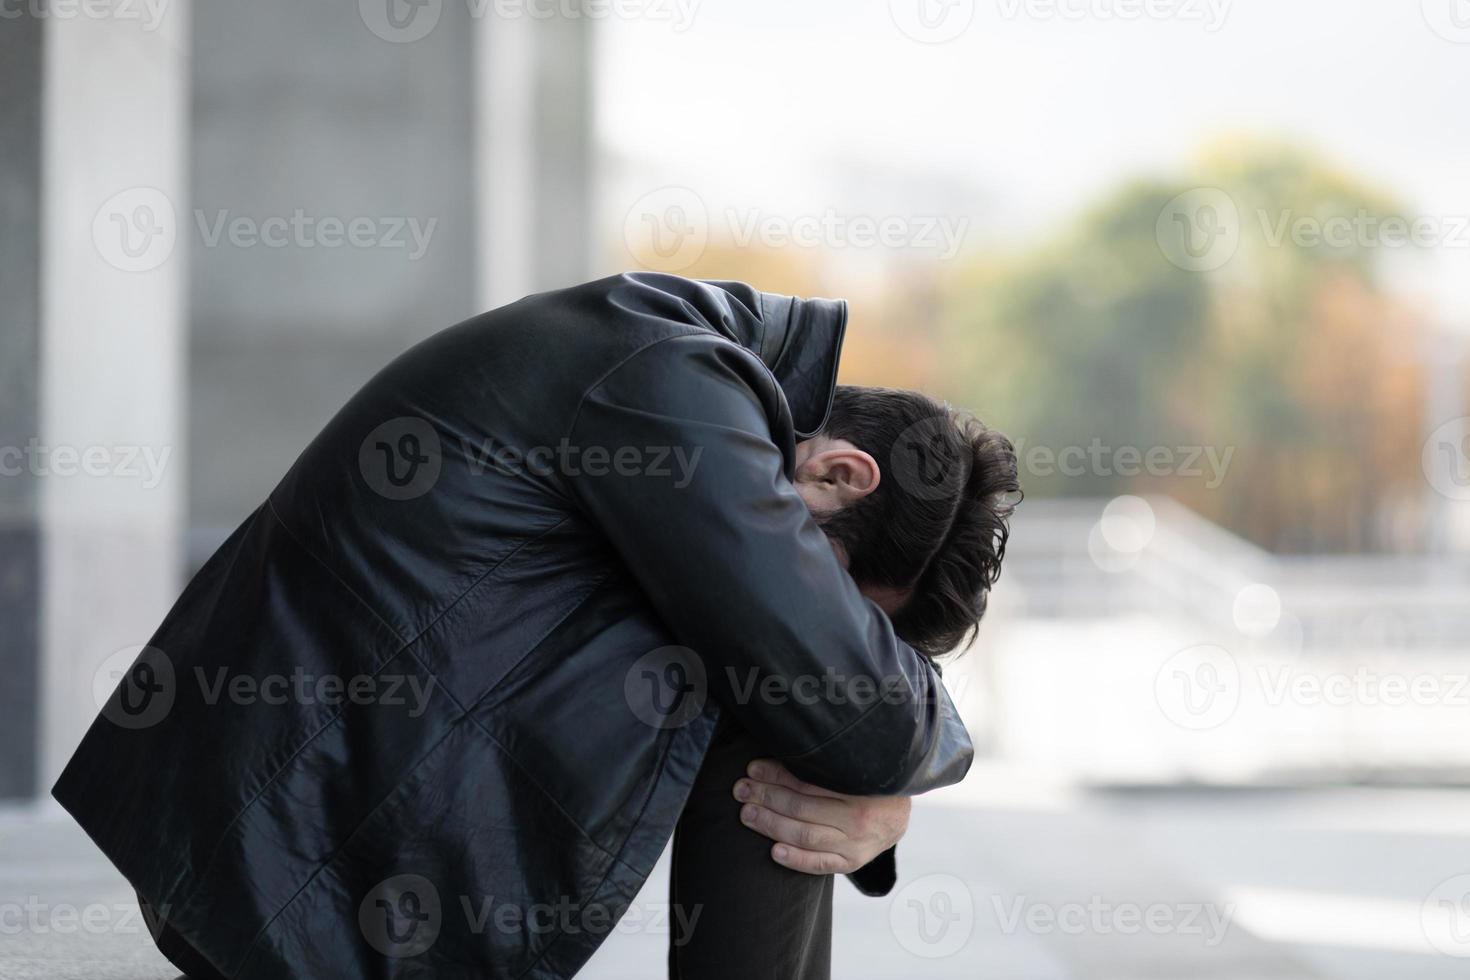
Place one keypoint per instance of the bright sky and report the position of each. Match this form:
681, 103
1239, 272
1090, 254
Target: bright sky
1034, 106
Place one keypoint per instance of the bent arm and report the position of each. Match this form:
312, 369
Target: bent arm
736, 567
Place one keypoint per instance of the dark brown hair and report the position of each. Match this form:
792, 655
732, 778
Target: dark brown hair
938, 522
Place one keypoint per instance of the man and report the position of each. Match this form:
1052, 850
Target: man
436, 706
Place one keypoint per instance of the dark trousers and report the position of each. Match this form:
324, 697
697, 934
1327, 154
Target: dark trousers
750, 916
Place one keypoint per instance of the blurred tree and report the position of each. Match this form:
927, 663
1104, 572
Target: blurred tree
1289, 356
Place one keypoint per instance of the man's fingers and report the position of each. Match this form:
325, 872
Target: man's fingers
771, 771
807, 836
811, 862
811, 809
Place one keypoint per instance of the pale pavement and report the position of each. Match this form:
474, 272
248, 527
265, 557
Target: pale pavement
998, 880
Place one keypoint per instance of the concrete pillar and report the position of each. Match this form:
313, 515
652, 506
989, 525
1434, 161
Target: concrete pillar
473, 118
109, 466
534, 147
20, 346
324, 116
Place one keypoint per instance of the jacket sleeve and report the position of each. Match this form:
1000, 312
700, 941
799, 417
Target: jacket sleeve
734, 564
878, 876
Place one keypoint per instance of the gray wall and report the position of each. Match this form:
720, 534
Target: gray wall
20, 331
299, 106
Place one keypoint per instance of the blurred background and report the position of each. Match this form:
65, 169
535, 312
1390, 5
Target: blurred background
1207, 262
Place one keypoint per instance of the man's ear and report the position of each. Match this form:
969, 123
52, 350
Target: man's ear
840, 475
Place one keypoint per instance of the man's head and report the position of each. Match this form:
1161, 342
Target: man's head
916, 500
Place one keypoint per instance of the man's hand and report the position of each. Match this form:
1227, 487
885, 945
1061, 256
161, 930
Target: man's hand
818, 831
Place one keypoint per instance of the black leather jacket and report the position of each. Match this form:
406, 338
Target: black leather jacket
434, 675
